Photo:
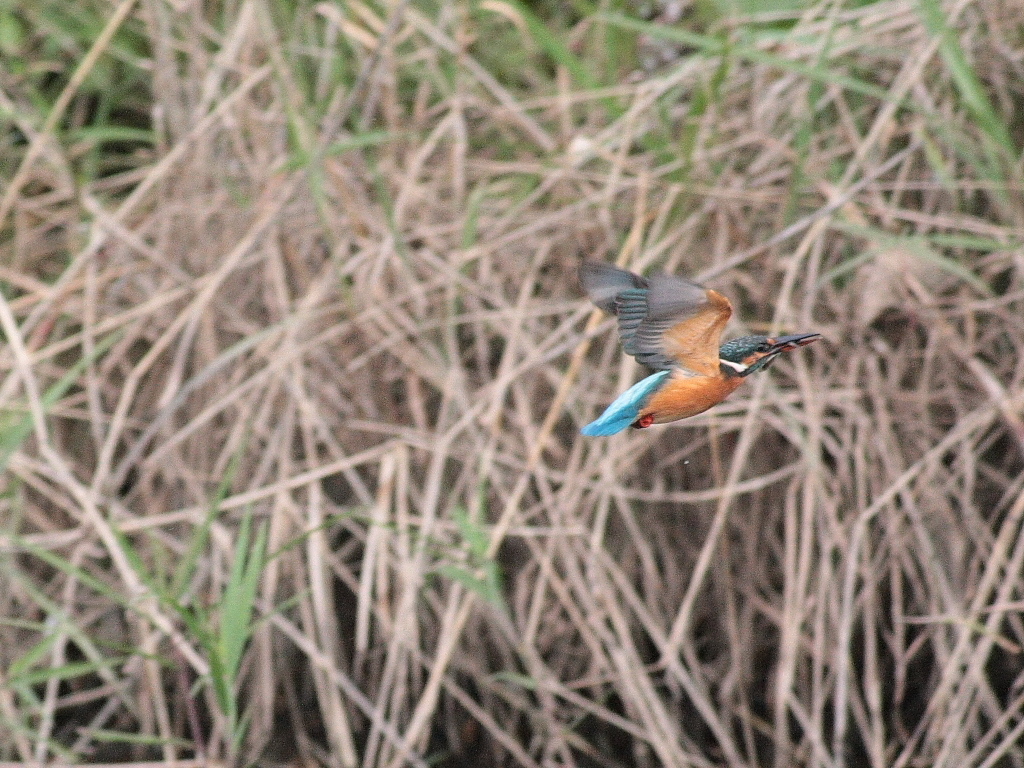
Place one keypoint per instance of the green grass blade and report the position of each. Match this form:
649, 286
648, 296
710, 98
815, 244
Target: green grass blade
16, 427
554, 47
197, 545
715, 46
239, 601
968, 85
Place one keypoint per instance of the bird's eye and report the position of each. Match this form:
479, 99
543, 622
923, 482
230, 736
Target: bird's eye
764, 347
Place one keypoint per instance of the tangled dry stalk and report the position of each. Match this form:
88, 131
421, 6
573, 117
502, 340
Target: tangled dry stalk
357, 331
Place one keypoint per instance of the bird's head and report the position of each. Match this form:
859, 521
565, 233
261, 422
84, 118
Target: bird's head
748, 354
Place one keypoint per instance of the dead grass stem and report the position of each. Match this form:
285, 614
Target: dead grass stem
325, 321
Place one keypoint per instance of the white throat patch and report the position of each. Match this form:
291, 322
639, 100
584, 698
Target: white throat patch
738, 367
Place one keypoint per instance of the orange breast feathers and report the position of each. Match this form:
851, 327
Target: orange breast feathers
685, 396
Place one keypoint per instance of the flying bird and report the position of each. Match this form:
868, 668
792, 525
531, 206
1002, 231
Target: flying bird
674, 326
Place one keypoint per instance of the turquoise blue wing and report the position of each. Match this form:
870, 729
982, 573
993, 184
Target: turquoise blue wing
626, 408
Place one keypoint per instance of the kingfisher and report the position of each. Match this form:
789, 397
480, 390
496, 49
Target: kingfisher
674, 326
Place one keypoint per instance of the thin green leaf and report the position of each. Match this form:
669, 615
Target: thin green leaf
120, 737
715, 46
239, 600
16, 427
69, 671
554, 47
968, 84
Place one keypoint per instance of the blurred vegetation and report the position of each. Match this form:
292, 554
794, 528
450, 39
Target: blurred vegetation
294, 362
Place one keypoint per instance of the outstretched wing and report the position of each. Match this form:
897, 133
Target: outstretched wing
664, 321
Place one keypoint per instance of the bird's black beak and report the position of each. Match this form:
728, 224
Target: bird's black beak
784, 343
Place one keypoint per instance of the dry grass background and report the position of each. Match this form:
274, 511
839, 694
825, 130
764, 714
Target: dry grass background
296, 360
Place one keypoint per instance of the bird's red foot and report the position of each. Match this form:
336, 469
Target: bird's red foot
643, 421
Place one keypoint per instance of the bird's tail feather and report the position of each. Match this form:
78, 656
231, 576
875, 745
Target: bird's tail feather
626, 408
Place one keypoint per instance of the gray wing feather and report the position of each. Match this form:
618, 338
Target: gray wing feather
645, 308
604, 283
